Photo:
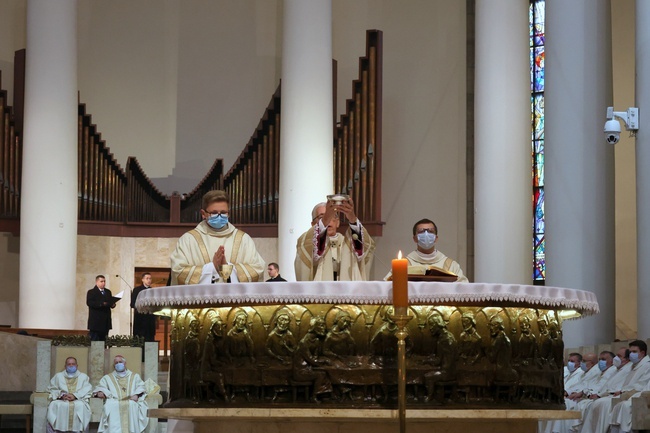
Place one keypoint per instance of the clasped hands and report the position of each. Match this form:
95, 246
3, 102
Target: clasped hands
219, 258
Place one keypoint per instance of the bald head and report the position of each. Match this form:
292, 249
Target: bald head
590, 359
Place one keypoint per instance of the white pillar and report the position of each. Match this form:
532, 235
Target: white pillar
579, 164
306, 142
48, 222
503, 187
642, 89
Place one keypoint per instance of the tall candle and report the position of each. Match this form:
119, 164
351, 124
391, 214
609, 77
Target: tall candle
400, 268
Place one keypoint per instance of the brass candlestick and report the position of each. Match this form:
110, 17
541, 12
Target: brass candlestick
401, 319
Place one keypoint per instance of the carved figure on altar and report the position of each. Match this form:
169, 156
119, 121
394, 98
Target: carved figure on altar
445, 355
192, 360
280, 344
383, 344
239, 344
307, 359
545, 343
339, 342
531, 378
556, 343
527, 345
500, 352
212, 359
470, 347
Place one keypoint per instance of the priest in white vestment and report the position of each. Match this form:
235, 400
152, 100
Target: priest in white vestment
70, 391
621, 418
621, 367
201, 252
323, 254
426, 256
125, 408
598, 417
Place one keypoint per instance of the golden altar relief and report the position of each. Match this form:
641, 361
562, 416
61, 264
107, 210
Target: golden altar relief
249, 350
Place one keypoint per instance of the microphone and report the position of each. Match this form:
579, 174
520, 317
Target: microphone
127, 283
130, 312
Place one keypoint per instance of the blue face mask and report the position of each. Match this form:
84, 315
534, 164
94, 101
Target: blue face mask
583, 367
71, 369
634, 357
217, 222
426, 240
571, 366
120, 367
602, 365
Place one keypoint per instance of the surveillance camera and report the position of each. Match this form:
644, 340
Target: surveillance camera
612, 131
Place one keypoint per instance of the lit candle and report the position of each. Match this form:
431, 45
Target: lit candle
400, 268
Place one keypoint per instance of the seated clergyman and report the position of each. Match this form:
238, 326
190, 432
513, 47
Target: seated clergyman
124, 400
426, 256
70, 391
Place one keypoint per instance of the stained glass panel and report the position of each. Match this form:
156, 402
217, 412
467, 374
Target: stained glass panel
538, 69
538, 164
538, 116
538, 22
536, 29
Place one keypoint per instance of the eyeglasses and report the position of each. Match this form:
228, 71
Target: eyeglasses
216, 213
427, 229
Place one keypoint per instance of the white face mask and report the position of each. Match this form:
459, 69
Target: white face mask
634, 357
617, 361
571, 366
426, 240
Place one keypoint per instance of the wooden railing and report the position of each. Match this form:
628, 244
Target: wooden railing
357, 138
253, 182
10, 160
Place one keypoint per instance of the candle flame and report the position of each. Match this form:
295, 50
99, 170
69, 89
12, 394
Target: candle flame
399, 254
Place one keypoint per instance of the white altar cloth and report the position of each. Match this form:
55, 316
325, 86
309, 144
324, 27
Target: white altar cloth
365, 292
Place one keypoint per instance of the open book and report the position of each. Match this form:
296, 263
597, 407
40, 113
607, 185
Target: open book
430, 273
117, 297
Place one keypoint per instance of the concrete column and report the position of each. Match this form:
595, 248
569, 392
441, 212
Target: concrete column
48, 222
579, 164
503, 187
642, 88
306, 143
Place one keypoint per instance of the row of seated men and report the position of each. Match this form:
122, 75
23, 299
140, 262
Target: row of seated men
123, 392
601, 386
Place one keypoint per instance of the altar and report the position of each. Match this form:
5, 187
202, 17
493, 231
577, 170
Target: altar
316, 345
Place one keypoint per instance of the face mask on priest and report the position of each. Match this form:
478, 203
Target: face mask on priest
426, 240
218, 221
